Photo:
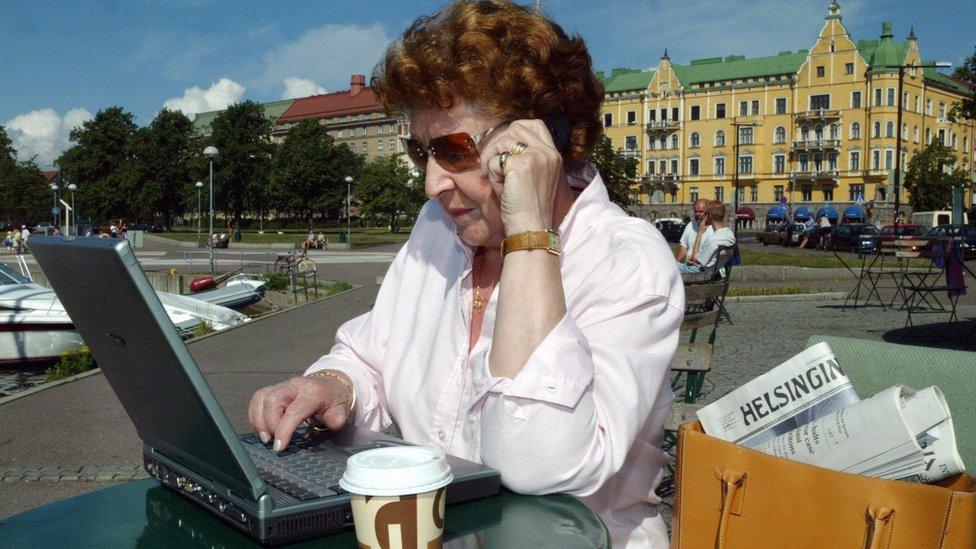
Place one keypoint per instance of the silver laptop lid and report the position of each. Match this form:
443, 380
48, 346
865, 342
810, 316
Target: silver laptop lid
118, 314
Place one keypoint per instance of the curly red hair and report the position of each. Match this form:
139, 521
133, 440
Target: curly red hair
506, 59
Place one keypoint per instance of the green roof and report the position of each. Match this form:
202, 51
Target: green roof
621, 79
737, 67
272, 111
935, 76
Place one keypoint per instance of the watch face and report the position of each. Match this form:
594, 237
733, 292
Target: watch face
553, 241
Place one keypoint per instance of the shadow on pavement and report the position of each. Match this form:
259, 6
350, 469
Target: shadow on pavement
960, 336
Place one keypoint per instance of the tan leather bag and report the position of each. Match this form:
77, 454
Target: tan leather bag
730, 497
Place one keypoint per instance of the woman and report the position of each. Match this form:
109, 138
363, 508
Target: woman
551, 368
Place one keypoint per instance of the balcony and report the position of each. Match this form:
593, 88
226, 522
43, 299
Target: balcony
816, 144
818, 114
629, 153
661, 179
812, 173
661, 125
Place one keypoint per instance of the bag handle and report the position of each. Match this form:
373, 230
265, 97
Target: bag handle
878, 535
732, 484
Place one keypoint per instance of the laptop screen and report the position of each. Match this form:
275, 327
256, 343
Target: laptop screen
118, 314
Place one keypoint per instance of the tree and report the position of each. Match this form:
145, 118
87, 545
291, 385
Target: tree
618, 172
309, 170
24, 193
966, 109
98, 163
387, 190
240, 134
931, 177
159, 162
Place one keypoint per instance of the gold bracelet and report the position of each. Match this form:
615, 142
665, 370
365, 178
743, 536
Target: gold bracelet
352, 389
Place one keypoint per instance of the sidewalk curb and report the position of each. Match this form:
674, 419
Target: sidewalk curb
832, 296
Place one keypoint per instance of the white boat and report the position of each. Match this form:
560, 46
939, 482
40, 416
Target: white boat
34, 326
238, 292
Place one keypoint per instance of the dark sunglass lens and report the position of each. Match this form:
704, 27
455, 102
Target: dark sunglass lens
455, 152
416, 152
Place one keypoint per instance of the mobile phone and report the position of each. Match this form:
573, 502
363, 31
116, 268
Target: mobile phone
559, 129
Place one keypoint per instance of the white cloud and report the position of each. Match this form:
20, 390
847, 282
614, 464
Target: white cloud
300, 87
43, 133
218, 96
328, 54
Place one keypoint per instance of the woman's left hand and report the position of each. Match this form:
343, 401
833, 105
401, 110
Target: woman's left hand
527, 184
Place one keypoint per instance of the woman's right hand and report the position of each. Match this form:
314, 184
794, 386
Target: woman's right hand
276, 411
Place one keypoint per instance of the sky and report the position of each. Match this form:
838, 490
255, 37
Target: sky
63, 61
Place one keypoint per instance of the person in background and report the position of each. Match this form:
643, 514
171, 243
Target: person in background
704, 251
808, 226
22, 241
691, 231
972, 214
483, 342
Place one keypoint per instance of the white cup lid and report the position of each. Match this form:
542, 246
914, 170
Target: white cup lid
396, 471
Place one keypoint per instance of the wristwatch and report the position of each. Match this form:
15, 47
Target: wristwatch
547, 240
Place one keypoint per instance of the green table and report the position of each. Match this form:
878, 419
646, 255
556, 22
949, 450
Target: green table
143, 514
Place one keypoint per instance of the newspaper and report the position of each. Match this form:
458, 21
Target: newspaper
805, 387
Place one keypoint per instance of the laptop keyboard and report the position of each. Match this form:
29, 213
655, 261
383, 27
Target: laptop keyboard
303, 470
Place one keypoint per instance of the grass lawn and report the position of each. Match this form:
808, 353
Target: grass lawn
359, 236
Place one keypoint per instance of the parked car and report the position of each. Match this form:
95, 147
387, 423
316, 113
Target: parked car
781, 233
853, 237
965, 235
905, 232
671, 228
936, 218
146, 227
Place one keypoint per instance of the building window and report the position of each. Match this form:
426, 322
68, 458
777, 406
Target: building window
848, 68
745, 164
928, 135
392, 144
662, 166
804, 162
915, 134
828, 194
855, 192
720, 110
743, 108
942, 107
607, 119
820, 71
693, 166
719, 193
855, 160
674, 167
693, 194
664, 142
889, 159
855, 130
779, 136
877, 97
953, 141
695, 140
720, 138
674, 141
339, 134
875, 159
650, 167
631, 118
832, 161
674, 113
651, 143
755, 107
695, 112
818, 132
876, 133
904, 130
777, 192
745, 135
890, 129
806, 193
918, 105
928, 107
834, 131
904, 100
804, 133
379, 145
741, 194
779, 163
664, 114
891, 97
754, 193
819, 102
365, 147
780, 105
362, 130
856, 100
719, 165
630, 142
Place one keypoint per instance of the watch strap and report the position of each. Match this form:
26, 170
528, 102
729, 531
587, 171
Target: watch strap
532, 240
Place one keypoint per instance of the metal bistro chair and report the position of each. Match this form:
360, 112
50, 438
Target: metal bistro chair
720, 271
947, 255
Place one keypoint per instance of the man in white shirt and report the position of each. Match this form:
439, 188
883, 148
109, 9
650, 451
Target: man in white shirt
691, 231
704, 250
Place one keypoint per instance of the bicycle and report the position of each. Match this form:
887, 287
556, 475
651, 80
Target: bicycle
296, 262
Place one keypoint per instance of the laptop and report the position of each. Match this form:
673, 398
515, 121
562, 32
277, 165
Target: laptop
188, 443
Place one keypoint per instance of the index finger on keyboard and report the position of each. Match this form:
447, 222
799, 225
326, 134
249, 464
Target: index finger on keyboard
295, 413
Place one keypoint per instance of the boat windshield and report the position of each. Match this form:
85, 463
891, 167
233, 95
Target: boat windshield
10, 276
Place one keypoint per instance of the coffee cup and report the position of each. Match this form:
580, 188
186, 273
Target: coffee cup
397, 495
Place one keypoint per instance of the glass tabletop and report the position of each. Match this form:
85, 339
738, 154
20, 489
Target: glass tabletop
144, 514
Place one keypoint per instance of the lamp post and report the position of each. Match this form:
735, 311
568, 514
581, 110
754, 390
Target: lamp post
735, 175
348, 207
54, 208
199, 186
901, 80
74, 216
211, 152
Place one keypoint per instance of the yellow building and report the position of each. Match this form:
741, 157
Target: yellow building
817, 125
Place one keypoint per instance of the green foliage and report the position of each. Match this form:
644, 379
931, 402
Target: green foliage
618, 171
337, 287
72, 362
966, 109
308, 173
240, 134
277, 282
158, 161
931, 176
201, 329
24, 194
386, 190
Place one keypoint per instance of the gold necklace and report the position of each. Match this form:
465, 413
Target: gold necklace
479, 302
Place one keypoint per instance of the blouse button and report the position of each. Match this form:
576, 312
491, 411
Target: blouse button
440, 435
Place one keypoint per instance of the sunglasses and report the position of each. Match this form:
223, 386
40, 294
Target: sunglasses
455, 152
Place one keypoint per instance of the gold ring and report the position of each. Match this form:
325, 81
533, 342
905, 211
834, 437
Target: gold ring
518, 148
502, 159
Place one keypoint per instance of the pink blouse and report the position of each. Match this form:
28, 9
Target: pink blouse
585, 415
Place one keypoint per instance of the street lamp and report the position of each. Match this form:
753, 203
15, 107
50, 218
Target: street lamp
735, 177
74, 216
54, 208
199, 186
211, 152
348, 216
901, 79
